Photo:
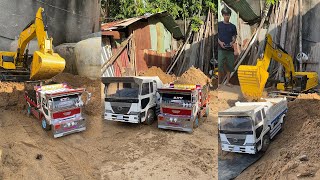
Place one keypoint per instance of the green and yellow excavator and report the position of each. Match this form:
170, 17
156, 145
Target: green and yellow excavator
253, 78
43, 64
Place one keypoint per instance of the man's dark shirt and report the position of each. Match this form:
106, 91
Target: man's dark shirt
225, 33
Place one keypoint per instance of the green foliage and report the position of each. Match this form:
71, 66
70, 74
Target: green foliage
196, 22
179, 9
271, 1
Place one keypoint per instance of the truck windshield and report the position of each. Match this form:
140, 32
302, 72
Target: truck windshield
235, 123
65, 101
183, 100
122, 90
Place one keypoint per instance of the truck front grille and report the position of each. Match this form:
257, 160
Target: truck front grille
120, 109
235, 141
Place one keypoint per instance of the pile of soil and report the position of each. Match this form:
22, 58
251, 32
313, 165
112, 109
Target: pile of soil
94, 106
12, 95
156, 71
193, 76
295, 152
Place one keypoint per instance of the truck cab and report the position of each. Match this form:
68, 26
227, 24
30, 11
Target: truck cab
249, 127
131, 99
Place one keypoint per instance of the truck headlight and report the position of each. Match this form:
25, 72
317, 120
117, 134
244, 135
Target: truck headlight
224, 142
108, 111
249, 144
133, 113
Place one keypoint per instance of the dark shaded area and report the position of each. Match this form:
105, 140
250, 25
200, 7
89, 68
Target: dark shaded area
231, 168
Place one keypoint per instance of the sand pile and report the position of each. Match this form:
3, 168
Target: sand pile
92, 86
309, 96
12, 95
295, 152
156, 71
193, 76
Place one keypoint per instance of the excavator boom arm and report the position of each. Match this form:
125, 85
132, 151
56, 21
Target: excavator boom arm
253, 78
35, 29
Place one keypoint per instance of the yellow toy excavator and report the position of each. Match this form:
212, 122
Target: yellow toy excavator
16, 66
253, 78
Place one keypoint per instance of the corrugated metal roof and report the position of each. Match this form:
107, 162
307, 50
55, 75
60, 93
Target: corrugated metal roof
249, 10
164, 17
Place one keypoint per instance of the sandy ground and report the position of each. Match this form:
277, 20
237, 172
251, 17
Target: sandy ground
294, 153
144, 152
106, 150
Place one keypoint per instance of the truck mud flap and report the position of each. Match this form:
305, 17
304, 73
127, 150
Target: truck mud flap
230, 168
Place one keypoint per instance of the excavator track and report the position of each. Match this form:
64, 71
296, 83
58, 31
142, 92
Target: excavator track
14, 75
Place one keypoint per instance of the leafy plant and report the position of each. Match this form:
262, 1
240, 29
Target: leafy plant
271, 1
196, 22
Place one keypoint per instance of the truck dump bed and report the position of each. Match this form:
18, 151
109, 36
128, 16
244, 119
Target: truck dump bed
273, 106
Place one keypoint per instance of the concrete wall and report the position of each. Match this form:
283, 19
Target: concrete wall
68, 20
311, 33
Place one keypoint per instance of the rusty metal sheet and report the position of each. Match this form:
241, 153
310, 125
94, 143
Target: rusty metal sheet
140, 61
164, 17
114, 34
160, 37
119, 24
162, 60
142, 41
121, 63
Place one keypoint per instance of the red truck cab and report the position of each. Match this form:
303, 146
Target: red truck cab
182, 106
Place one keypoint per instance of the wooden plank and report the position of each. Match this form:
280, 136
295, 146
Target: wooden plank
180, 52
116, 55
283, 36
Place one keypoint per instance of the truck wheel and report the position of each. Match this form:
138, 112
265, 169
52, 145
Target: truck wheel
196, 122
45, 125
265, 143
282, 124
150, 117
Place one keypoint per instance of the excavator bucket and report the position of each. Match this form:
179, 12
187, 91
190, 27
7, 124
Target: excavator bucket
46, 66
252, 81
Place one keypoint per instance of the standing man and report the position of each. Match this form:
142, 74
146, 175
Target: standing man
227, 33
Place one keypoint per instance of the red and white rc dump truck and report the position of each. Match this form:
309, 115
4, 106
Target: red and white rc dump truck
182, 106
58, 106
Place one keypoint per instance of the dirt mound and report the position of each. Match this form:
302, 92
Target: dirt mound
12, 95
300, 138
309, 96
92, 86
156, 71
193, 76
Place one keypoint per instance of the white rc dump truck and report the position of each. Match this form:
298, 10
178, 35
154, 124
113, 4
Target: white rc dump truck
248, 127
131, 99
